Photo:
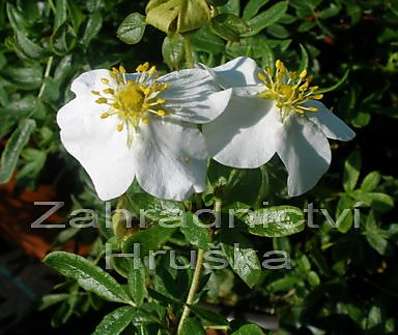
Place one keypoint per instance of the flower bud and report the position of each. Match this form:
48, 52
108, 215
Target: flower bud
177, 15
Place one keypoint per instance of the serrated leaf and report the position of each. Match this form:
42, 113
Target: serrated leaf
115, 322
132, 28
14, 146
276, 221
88, 276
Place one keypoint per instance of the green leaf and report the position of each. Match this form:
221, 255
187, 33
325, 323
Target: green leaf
313, 278
220, 25
16, 18
115, 322
93, 26
344, 217
34, 160
376, 237
132, 28
155, 209
52, 299
29, 48
192, 326
195, 232
352, 169
370, 182
378, 201
278, 31
173, 50
149, 239
249, 329
304, 59
229, 26
89, 276
267, 18
61, 14
252, 8
14, 146
205, 40
242, 257
284, 284
275, 221
26, 78
210, 316
136, 282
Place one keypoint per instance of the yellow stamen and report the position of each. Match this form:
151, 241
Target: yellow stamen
101, 100
109, 91
132, 101
290, 91
143, 67
161, 112
303, 74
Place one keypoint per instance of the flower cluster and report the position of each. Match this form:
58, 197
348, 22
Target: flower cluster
125, 126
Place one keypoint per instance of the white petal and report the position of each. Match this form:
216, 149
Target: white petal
333, 127
91, 81
193, 96
305, 151
98, 146
172, 160
240, 71
243, 136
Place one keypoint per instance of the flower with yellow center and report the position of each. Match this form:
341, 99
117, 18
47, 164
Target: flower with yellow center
122, 126
274, 112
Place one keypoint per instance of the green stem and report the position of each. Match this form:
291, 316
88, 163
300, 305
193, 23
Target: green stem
46, 74
188, 51
196, 277
192, 290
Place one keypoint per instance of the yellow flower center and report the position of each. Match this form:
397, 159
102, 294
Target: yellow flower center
289, 90
132, 101
130, 98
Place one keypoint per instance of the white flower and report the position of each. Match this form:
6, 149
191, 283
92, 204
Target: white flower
123, 126
274, 113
